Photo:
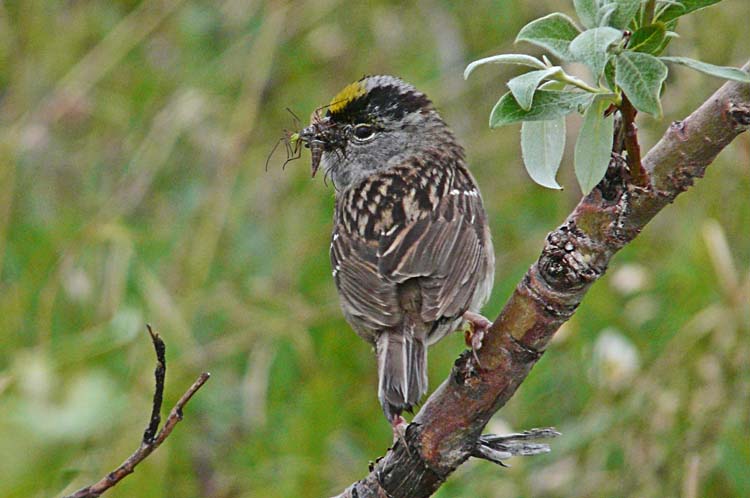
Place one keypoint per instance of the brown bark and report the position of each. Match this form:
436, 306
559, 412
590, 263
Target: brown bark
446, 430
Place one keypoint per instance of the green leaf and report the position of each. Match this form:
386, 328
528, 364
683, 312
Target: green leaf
590, 47
667, 39
554, 85
517, 59
594, 145
586, 10
640, 76
648, 39
670, 26
605, 14
553, 32
547, 104
626, 11
727, 73
609, 75
685, 7
662, 5
542, 146
523, 87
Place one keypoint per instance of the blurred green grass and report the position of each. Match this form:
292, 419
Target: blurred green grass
133, 138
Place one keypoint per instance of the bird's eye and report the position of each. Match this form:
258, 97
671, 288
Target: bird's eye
364, 132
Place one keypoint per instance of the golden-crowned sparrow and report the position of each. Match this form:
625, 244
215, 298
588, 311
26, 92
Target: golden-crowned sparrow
411, 250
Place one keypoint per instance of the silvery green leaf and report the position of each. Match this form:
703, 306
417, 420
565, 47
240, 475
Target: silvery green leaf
553, 32
586, 10
594, 145
542, 146
728, 73
547, 104
517, 59
626, 11
609, 75
554, 85
648, 39
590, 47
670, 26
640, 76
523, 87
605, 13
684, 7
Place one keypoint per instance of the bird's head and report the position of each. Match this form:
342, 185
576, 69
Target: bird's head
370, 125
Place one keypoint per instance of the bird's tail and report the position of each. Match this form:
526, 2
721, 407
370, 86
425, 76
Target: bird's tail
402, 369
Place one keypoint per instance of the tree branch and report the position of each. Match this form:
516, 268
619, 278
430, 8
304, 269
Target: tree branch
444, 433
151, 440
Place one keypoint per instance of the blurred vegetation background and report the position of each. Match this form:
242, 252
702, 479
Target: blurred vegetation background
133, 138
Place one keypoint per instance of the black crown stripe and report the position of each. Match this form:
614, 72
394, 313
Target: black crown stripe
384, 101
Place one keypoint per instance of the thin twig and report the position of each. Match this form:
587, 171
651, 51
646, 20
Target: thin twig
159, 374
149, 442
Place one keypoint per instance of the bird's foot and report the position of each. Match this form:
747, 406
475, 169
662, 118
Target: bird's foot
478, 327
399, 425
498, 448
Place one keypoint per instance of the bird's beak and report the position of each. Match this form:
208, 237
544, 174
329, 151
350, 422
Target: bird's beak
314, 138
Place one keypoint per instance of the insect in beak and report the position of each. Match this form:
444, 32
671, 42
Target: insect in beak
291, 143
314, 139
316, 152
320, 136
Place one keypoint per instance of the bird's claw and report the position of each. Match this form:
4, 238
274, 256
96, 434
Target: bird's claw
398, 424
478, 327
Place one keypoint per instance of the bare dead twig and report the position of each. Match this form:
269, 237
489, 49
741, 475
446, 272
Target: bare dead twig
159, 374
445, 432
151, 440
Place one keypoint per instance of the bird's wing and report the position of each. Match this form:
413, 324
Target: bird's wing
397, 227
369, 301
445, 250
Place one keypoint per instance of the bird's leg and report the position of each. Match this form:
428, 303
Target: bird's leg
478, 327
398, 424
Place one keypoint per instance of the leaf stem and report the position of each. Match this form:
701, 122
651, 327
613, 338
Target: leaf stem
650, 9
577, 82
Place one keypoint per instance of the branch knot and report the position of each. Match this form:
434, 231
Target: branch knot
740, 115
568, 262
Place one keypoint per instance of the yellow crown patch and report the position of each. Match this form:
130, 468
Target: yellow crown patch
346, 95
